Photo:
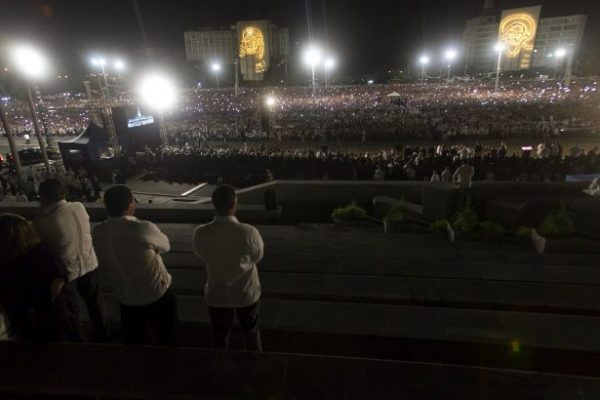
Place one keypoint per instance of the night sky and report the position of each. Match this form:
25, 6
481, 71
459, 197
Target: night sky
366, 35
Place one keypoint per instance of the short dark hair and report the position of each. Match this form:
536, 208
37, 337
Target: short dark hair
117, 199
223, 198
52, 189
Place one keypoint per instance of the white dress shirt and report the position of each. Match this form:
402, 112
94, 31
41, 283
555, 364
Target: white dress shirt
65, 228
230, 251
129, 250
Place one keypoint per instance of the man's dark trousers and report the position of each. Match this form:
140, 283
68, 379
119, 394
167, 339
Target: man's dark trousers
222, 321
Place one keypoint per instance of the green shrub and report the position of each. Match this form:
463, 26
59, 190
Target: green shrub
466, 220
351, 212
557, 224
439, 226
524, 233
491, 229
398, 213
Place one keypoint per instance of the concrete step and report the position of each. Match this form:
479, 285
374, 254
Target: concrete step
438, 292
488, 269
329, 242
485, 327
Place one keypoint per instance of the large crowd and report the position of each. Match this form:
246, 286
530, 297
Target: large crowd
247, 165
389, 113
353, 113
216, 135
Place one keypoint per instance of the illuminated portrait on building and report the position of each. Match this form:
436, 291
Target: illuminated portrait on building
517, 32
252, 44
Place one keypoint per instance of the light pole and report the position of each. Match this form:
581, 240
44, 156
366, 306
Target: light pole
101, 63
312, 57
32, 65
105, 100
216, 68
11, 143
499, 48
329, 65
158, 92
559, 55
424, 60
450, 57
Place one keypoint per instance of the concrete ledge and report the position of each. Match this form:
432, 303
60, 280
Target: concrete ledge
137, 372
171, 213
383, 204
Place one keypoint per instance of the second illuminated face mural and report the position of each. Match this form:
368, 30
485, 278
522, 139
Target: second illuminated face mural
252, 43
517, 31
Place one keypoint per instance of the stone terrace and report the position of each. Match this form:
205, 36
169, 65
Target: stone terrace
360, 292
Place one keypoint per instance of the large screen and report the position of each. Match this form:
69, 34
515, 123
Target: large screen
139, 120
518, 29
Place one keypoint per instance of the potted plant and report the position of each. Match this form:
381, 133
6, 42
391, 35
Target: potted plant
491, 230
349, 215
396, 219
443, 227
466, 224
558, 224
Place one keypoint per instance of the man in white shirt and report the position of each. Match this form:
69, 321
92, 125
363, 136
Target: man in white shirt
463, 178
65, 228
129, 250
230, 251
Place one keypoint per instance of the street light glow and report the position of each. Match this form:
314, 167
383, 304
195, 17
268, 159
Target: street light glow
119, 65
270, 101
450, 54
499, 47
329, 63
312, 56
30, 62
157, 91
560, 53
424, 60
98, 61
216, 67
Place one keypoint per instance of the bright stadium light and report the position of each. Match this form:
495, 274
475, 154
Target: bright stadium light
157, 91
33, 65
270, 101
560, 53
30, 62
450, 54
98, 62
423, 60
499, 47
119, 65
329, 65
312, 57
216, 68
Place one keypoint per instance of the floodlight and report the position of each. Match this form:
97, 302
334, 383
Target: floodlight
157, 91
30, 62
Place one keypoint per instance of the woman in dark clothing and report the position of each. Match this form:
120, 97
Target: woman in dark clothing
31, 280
